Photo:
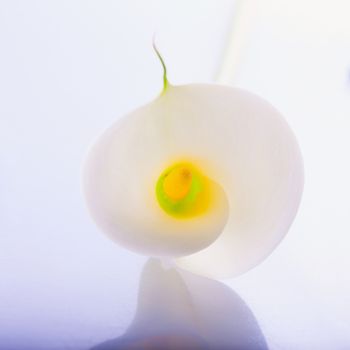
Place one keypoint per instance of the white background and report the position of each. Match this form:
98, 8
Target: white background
68, 69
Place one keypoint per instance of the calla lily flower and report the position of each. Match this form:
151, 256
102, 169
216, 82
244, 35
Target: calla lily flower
208, 175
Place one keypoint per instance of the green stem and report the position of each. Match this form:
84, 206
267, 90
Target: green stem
165, 79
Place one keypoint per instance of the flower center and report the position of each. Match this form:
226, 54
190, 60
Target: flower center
182, 191
177, 183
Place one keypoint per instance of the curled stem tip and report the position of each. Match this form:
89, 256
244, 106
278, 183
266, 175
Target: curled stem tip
165, 79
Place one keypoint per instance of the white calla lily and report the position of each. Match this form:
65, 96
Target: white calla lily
148, 174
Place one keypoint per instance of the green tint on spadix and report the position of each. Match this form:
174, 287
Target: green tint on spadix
182, 191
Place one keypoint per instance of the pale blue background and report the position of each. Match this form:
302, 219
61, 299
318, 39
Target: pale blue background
68, 69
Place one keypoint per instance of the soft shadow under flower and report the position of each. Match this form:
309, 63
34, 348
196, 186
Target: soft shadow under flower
179, 310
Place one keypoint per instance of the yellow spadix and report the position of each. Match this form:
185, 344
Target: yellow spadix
183, 191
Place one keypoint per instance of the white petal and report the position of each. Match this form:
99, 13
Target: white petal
237, 139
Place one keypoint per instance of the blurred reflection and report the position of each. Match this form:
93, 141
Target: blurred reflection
179, 310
